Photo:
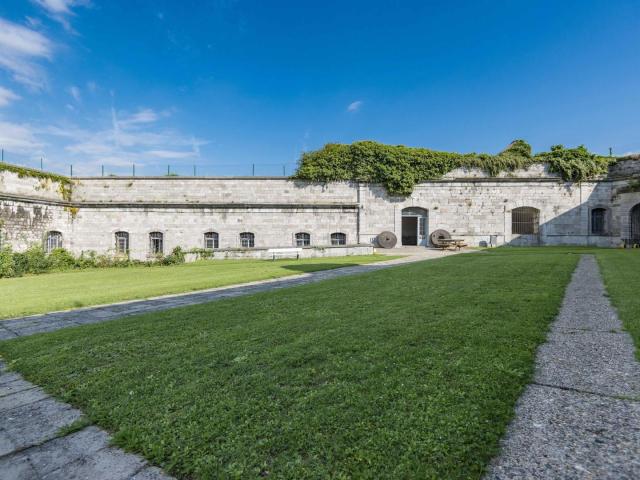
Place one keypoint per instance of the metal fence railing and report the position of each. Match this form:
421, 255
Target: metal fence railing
144, 170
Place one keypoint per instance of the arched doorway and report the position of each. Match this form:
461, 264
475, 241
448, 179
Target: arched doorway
415, 228
634, 224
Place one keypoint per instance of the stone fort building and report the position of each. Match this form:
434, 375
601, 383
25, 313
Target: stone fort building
246, 216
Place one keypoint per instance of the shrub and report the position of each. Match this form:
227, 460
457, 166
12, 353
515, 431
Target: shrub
35, 260
7, 263
61, 259
176, 257
399, 168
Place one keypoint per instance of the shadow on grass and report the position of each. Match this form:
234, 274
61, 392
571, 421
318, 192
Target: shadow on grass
314, 267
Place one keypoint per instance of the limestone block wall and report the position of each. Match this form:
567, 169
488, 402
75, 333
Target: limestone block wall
24, 223
475, 210
210, 190
94, 228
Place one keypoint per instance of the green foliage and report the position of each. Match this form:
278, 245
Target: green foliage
399, 168
7, 263
35, 261
61, 259
65, 184
176, 257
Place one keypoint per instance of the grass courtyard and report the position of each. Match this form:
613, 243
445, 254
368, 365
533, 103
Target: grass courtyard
61, 291
411, 372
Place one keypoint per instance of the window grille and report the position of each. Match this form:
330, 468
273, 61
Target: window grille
598, 221
525, 221
247, 240
122, 242
54, 240
338, 238
303, 239
156, 243
210, 240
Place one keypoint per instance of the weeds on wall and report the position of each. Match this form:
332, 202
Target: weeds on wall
400, 168
64, 183
35, 261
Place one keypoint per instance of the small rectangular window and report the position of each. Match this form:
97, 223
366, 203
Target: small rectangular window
338, 238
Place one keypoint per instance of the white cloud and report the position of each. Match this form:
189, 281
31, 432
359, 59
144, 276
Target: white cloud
20, 48
19, 138
114, 139
7, 96
355, 106
75, 93
60, 10
170, 154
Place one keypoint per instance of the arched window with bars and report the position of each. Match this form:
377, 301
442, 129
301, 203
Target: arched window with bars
122, 242
156, 243
338, 238
303, 239
53, 241
247, 240
211, 240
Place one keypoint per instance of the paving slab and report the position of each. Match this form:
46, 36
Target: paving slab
106, 464
580, 419
571, 435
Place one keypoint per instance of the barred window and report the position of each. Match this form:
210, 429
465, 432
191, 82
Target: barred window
156, 243
338, 238
303, 239
54, 240
598, 221
525, 221
122, 242
210, 240
247, 240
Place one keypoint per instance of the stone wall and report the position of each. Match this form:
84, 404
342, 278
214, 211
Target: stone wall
468, 205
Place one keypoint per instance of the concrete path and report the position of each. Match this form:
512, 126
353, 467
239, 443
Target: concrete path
32, 446
580, 418
19, 327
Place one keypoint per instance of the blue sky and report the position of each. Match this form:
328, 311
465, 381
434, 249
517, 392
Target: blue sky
226, 84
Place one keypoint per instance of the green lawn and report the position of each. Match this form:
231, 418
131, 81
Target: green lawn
411, 372
62, 291
621, 272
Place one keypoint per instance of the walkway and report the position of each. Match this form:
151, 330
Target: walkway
20, 327
580, 418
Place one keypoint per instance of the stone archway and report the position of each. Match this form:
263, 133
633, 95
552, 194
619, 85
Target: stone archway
415, 226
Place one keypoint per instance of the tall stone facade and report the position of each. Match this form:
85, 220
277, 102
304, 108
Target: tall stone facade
468, 204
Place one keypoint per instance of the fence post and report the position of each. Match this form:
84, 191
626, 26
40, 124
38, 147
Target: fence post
253, 169
71, 170
41, 164
194, 170
168, 170
284, 170
102, 170
134, 169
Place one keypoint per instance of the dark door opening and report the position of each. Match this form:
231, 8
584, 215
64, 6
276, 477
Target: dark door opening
409, 230
634, 220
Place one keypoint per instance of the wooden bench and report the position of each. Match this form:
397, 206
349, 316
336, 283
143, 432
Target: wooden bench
284, 253
451, 244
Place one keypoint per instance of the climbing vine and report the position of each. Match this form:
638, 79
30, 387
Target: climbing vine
400, 168
65, 184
